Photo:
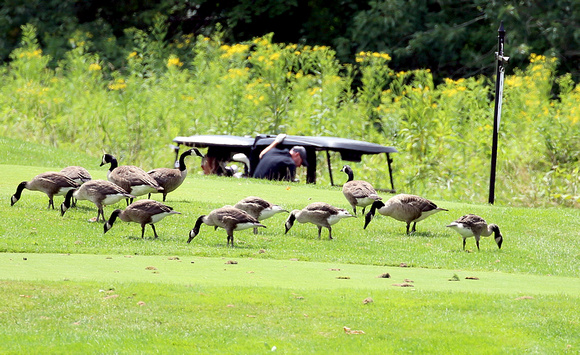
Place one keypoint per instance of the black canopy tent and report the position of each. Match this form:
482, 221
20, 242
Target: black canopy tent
225, 146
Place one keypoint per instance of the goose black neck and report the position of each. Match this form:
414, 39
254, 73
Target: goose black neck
114, 216
114, 163
198, 224
350, 174
376, 205
19, 189
68, 198
182, 166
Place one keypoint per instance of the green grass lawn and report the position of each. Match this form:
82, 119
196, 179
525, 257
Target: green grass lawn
67, 284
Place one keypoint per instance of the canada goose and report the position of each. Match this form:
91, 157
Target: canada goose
229, 218
358, 192
405, 208
472, 225
143, 212
171, 179
319, 213
130, 178
99, 192
258, 208
79, 174
242, 158
51, 183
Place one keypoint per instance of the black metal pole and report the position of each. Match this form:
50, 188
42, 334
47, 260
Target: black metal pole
499, 74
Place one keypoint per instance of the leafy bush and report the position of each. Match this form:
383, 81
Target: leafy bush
202, 86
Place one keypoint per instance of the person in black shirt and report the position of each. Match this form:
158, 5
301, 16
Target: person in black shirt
280, 164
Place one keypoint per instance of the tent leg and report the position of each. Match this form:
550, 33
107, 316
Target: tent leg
329, 167
389, 161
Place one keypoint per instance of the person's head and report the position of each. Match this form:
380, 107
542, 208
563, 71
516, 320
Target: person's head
298, 154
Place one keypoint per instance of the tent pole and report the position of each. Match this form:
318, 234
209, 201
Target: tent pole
389, 161
329, 167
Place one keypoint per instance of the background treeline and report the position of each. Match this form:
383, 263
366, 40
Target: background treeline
452, 38
202, 85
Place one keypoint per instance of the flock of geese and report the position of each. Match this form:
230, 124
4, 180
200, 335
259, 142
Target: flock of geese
128, 182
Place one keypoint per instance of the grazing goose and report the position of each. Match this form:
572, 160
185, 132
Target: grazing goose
258, 208
143, 212
171, 179
229, 218
472, 225
319, 213
100, 192
242, 158
51, 183
405, 208
358, 192
130, 178
79, 174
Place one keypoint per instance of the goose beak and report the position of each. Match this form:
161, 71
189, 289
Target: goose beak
63, 209
499, 241
368, 219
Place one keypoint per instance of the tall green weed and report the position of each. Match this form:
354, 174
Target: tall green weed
204, 86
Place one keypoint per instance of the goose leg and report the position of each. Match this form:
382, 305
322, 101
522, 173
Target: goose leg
100, 212
408, 225
142, 231
463, 243
477, 241
50, 202
319, 231
256, 230
154, 231
414, 225
329, 233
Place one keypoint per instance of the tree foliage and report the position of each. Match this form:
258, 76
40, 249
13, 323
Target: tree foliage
453, 38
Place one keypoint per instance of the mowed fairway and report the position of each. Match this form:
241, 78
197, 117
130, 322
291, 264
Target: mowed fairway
69, 288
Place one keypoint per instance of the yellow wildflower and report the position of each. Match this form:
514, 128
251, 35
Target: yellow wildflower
174, 62
119, 84
94, 67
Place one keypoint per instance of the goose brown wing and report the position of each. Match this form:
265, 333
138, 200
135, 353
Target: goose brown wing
361, 189
321, 207
149, 207
57, 179
252, 205
135, 175
420, 203
231, 215
473, 220
77, 172
256, 201
165, 173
